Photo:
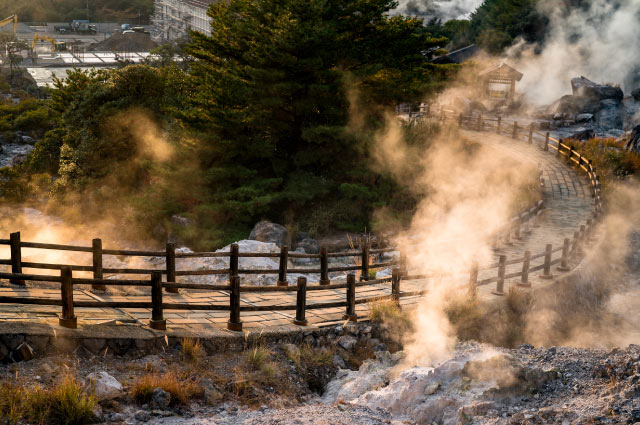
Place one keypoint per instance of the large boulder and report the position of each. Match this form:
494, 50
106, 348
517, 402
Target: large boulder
265, 231
585, 88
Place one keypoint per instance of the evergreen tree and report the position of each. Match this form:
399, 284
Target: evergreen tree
275, 81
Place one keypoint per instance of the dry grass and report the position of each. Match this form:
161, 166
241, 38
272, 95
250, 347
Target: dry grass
611, 160
395, 322
191, 350
66, 403
182, 391
258, 356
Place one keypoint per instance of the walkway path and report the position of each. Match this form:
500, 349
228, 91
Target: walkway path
568, 205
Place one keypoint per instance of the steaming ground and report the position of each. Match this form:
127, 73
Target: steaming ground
477, 385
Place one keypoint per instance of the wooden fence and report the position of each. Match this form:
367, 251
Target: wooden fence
514, 229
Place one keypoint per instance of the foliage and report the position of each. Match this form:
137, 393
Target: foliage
133, 11
29, 115
611, 160
66, 403
191, 350
274, 109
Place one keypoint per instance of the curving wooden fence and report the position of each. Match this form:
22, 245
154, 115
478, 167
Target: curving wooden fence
514, 229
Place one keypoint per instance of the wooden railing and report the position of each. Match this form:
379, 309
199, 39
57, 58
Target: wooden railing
514, 229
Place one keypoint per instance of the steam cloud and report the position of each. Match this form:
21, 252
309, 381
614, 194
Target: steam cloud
442, 9
596, 41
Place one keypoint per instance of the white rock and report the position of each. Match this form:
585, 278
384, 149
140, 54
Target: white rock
104, 386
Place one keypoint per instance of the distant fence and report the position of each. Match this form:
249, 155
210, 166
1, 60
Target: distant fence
514, 229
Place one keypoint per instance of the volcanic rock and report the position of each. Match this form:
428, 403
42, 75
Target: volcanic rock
309, 245
265, 231
585, 88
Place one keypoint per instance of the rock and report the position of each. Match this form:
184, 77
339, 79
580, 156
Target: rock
178, 220
18, 159
557, 117
291, 350
610, 114
300, 236
28, 140
22, 353
584, 117
265, 231
431, 388
583, 87
310, 246
583, 134
339, 362
633, 144
380, 347
104, 386
636, 94
142, 416
97, 413
160, 399
347, 342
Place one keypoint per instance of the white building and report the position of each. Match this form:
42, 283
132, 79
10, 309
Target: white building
172, 19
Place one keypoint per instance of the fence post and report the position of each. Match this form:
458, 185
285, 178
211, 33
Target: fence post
589, 231
97, 264
234, 323
546, 142
582, 243
564, 266
546, 274
507, 237
395, 284
531, 133
157, 318
524, 279
517, 234
233, 260
460, 120
301, 302
574, 242
282, 269
479, 123
473, 279
324, 266
499, 125
365, 263
559, 151
403, 264
16, 257
351, 299
68, 319
502, 264
171, 266
515, 130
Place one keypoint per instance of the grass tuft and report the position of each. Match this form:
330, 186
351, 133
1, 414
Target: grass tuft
191, 350
66, 403
258, 356
182, 391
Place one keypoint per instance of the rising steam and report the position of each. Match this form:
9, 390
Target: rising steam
596, 41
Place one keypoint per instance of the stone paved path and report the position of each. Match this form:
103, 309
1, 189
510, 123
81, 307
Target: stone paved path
568, 205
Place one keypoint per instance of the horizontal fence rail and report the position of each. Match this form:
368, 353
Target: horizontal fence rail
369, 260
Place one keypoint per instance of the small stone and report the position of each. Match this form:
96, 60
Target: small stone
380, 347
104, 386
97, 413
339, 361
347, 342
431, 388
142, 416
160, 399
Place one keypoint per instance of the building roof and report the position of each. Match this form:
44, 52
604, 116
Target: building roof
458, 56
202, 4
502, 71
